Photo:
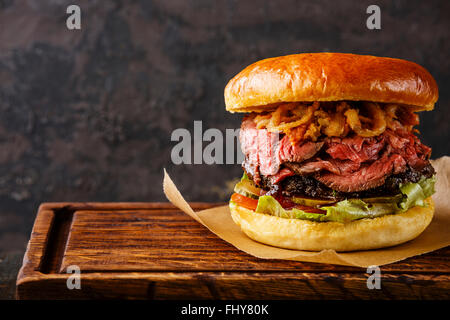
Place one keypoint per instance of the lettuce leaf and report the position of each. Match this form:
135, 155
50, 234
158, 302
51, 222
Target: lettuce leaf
343, 211
416, 193
347, 210
354, 209
245, 177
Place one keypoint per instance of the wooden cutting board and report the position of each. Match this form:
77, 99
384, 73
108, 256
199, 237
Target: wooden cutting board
155, 251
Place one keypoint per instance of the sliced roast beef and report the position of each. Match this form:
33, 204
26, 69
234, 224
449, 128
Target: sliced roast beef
363, 168
357, 149
350, 164
265, 151
332, 165
260, 148
308, 186
367, 177
409, 146
281, 175
297, 153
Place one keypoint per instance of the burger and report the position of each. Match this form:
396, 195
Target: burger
331, 154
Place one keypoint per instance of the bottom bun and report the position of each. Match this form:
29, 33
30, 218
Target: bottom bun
385, 231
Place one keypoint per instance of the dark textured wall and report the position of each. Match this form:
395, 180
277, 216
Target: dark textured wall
87, 115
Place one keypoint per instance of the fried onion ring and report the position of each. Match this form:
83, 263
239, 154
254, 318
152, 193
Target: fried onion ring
377, 116
302, 120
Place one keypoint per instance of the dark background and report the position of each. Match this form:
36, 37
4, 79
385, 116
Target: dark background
86, 115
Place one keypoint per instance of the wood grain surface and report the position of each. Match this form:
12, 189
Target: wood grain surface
155, 251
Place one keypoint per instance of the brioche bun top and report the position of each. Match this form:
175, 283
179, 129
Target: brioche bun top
330, 77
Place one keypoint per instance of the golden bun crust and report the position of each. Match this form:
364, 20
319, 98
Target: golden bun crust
330, 77
364, 234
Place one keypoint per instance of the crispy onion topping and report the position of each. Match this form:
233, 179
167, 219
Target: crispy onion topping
286, 116
309, 121
376, 120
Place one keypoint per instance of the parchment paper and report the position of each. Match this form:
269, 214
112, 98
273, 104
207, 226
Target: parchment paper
437, 235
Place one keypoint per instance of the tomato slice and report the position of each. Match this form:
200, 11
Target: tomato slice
245, 202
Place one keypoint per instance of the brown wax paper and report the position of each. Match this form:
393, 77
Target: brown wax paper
437, 235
